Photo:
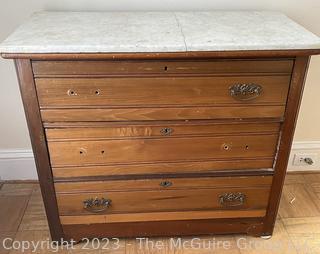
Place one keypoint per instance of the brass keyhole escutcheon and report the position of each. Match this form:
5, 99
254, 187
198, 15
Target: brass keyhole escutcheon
165, 184
166, 131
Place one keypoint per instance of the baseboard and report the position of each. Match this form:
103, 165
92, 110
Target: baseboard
18, 164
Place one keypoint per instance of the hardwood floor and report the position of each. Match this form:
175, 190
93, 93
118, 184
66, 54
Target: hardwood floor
297, 231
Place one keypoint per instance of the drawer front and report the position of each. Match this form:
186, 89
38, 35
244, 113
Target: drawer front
168, 129
162, 114
68, 153
192, 91
236, 197
194, 167
73, 68
162, 184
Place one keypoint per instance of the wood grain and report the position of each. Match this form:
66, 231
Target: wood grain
52, 68
83, 153
11, 212
39, 145
287, 132
154, 184
172, 113
296, 202
57, 92
127, 130
34, 217
161, 216
164, 200
195, 167
251, 226
135, 148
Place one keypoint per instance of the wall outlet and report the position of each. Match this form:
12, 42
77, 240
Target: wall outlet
305, 159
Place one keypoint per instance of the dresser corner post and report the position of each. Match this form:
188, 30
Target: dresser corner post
298, 77
39, 146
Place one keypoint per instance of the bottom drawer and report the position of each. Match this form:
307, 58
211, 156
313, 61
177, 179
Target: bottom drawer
164, 199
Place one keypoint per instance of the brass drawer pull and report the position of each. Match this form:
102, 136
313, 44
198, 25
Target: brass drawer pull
96, 205
232, 199
166, 131
165, 184
245, 92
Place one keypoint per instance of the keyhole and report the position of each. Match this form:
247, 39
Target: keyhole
166, 68
71, 92
82, 151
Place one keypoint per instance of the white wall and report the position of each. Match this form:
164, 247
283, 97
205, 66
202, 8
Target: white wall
13, 131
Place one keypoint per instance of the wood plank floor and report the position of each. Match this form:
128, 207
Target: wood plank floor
22, 218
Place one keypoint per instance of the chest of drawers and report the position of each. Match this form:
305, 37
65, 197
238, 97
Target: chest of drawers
151, 144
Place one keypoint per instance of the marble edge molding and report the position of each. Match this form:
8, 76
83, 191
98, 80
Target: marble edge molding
184, 41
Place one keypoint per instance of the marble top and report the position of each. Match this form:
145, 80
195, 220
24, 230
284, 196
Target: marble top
104, 32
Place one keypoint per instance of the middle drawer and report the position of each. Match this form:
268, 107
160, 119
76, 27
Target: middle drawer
168, 143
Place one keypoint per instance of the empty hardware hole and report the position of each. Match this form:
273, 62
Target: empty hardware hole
247, 147
97, 92
102, 152
166, 68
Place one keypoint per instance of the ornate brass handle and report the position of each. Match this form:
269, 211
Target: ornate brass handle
245, 92
165, 184
96, 205
232, 199
166, 131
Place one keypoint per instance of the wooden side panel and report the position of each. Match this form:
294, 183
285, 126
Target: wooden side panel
53, 68
161, 150
62, 92
287, 132
147, 114
39, 146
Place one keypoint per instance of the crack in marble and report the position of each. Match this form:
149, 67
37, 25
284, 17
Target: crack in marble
181, 30
111, 32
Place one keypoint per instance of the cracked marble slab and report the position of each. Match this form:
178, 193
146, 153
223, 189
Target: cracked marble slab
106, 32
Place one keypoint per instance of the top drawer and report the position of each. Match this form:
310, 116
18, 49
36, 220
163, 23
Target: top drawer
91, 68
